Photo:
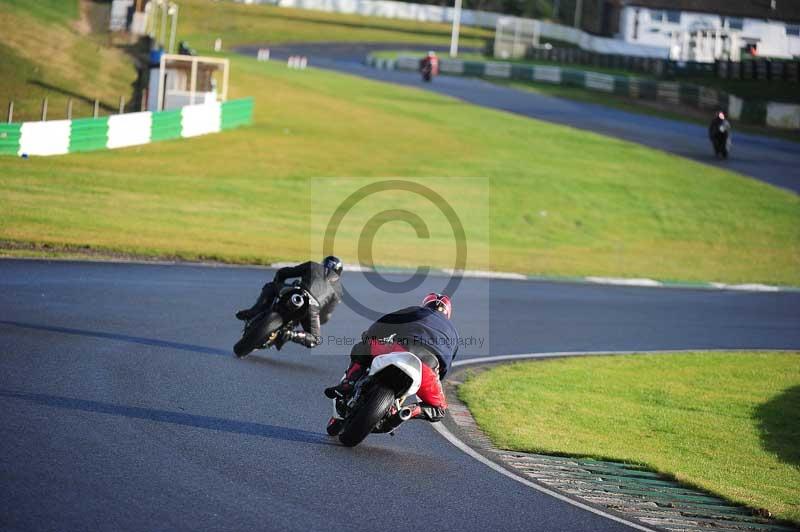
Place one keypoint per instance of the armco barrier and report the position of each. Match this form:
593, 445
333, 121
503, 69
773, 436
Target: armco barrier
777, 115
58, 137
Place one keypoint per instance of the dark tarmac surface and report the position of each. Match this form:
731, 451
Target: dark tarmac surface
771, 160
124, 409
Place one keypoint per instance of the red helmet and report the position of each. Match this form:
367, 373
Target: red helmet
438, 302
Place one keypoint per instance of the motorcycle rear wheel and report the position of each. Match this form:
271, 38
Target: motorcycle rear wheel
257, 334
369, 413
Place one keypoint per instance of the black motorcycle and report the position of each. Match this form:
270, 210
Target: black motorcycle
265, 329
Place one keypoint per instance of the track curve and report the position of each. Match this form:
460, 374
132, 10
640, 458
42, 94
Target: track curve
123, 408
771, 160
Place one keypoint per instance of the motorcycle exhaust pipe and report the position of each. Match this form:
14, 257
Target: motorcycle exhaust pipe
297, 300
405, 413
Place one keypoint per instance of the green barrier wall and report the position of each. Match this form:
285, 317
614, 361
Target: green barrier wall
166, 125
9, 138
88, 134
237, 113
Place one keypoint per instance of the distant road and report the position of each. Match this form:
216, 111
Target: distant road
768, 159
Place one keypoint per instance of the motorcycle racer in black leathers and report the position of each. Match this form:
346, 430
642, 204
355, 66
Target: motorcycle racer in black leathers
321, 281
719, 131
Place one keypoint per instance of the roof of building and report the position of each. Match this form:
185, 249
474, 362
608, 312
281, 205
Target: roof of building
787, 10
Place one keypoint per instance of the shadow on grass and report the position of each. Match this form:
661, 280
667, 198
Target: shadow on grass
175, 418
779, 422
70, 94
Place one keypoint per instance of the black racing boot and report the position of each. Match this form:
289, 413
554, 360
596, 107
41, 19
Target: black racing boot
268, 293
246, 314
340, 391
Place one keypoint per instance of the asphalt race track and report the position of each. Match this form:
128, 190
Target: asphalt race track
768, 159
124, 409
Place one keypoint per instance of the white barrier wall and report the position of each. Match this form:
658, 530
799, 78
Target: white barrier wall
599, 82
129, 129
45, 138
201, 119
783, 115
498, 70
547, 74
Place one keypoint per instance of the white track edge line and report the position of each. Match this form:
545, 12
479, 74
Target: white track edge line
449, 436
560, 354
441, 429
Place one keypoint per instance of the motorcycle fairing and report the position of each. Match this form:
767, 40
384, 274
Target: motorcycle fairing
406, 362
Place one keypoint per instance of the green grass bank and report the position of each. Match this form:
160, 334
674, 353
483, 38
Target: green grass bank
726, 422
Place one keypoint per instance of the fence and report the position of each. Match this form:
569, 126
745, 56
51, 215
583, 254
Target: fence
58, 137
756, 69
753, 112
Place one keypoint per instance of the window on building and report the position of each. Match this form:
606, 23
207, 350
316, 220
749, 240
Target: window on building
734, 23
660, 15
793, 30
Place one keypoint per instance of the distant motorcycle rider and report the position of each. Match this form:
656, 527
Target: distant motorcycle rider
719, 131
321, 281
425, 331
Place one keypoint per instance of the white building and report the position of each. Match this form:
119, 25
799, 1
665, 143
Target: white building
701, 30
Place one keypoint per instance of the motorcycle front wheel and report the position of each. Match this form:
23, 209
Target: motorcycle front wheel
371, 410
257, 333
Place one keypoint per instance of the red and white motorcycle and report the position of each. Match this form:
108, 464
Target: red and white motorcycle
376, 404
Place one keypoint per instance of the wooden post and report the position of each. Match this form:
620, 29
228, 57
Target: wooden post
143, 103
225, 79
193, 82
69, 108
10, 111
162, 86
96, 108
121, 104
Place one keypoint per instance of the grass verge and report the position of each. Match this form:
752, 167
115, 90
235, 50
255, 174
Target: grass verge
562, 201
240, 24
43, 54
726, 422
